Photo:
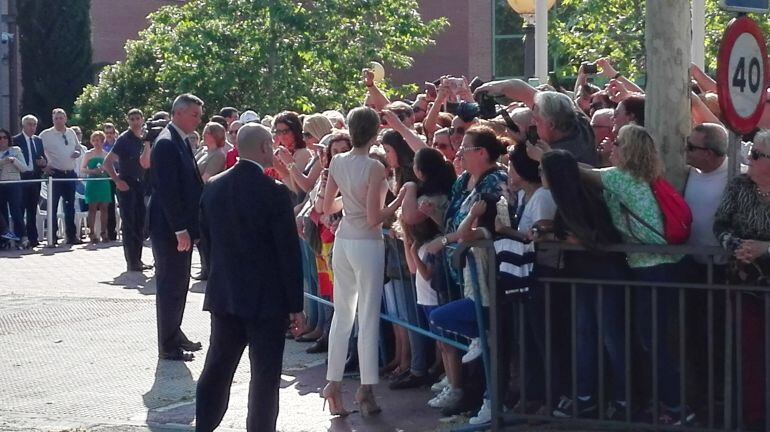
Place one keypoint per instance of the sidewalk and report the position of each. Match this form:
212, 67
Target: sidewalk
79, 353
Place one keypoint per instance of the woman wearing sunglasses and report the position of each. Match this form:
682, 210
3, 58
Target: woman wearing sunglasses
12, 164
742, 225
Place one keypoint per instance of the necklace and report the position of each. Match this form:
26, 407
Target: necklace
762, 194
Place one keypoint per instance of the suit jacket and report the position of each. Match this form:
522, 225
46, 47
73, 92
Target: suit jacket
255, 266
37, 151
176, 186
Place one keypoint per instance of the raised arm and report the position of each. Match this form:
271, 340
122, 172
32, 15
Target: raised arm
375, 98
705, 82
410, 136
700, 112
514, 88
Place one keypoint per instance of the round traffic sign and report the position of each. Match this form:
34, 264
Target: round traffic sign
742, 74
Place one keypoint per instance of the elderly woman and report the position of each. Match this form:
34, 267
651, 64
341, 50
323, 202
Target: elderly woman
742, 225
212, 161
12, 164
635, 213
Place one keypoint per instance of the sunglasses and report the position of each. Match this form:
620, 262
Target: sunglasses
4, 137
756, 154
281, 131
457, 130
467, 149
66, 142
692, 147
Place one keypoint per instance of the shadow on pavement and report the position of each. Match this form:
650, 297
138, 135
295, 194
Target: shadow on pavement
134, 280
198, 287
171, 399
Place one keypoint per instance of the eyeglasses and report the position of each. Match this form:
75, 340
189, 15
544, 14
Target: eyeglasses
65, 139
756, 154
456, 130
277, 131
4, 137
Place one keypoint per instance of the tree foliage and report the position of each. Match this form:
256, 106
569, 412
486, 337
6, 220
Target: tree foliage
266, 55
55, 41
584, 30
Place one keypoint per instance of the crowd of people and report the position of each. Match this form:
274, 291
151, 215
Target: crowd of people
379, 200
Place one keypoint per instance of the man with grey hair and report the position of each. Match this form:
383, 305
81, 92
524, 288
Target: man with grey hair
706, 152
254, 285
173, 213
32, 148
601, 124
561, 126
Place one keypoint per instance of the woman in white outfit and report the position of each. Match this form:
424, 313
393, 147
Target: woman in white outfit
358, 258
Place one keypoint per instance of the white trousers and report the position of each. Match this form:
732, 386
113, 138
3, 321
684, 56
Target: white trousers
359, 267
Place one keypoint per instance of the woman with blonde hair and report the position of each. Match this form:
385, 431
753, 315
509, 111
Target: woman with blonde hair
635, 213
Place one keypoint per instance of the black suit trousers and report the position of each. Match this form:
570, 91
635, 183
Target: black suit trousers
229, 337
132, 214
112, 222
172, 278
29, 201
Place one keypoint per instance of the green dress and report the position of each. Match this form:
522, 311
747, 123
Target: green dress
97, 191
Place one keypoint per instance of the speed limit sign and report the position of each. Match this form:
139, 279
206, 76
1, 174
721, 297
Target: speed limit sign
742, 74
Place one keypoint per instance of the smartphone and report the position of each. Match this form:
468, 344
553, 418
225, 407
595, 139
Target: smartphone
532, 135
590, 68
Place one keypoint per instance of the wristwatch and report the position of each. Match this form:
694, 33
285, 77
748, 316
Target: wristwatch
444, 240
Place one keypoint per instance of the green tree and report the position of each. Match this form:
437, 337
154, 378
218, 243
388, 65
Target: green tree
266, 55
55, 41
584, 30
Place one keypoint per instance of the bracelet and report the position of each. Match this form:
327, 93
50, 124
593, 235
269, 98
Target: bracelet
291, 165
617, 75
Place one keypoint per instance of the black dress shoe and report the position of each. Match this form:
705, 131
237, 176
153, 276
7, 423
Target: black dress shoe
178, 355
146, 266
191, 346
34, 244
76, 241
407, 382
320, 346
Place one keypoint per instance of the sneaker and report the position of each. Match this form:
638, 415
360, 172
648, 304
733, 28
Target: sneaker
484, 415
616, 411
447, 398
585, 408
673, 416
474, 351
441, 385
10, 236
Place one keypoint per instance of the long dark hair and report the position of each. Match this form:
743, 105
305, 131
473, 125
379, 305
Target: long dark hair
439, 175
292, 121
405, 155
581, 208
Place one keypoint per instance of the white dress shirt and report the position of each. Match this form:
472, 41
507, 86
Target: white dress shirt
59, 147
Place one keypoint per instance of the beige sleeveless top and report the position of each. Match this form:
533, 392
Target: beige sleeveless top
351, 173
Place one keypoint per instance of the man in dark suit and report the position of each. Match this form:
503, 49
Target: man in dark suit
173, 218
254, 285
32, 147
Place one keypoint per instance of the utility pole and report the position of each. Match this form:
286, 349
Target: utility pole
667, 106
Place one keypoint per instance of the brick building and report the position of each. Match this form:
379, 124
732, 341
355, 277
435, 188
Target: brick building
483, 38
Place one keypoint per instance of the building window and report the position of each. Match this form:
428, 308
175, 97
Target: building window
507, 41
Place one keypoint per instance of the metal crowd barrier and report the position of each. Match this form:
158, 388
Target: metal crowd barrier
50, 213
730, 417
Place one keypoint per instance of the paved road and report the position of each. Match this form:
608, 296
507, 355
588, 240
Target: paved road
78, 352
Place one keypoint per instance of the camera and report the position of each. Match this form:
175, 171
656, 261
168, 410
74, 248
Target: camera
589, 68
153, 128
532, 135
487, 103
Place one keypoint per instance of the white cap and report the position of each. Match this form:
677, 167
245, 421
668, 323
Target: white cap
248, 117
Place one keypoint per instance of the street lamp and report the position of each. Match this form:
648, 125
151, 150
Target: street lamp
534, 12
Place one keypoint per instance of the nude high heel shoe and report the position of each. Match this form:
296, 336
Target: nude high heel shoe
332, 393
366, 402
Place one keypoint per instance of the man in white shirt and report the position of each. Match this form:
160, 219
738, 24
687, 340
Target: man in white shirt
706, 183
62, 149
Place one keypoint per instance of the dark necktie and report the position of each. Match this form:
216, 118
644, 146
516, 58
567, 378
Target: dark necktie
31, 155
